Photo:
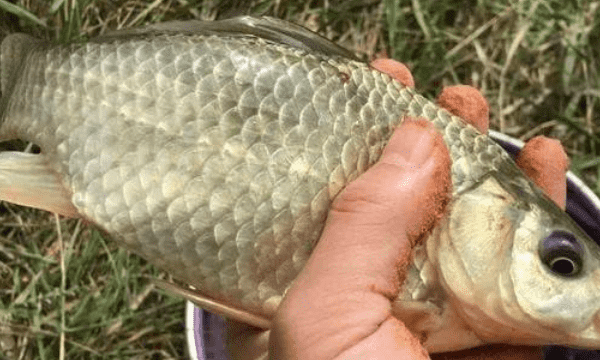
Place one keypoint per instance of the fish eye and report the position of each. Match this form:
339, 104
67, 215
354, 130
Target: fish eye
562, 253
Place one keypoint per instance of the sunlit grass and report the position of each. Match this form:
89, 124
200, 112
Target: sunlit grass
535, 61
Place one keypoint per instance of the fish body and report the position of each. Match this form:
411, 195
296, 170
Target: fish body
214, 150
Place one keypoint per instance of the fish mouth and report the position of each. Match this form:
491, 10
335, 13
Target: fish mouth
595, 329
588, 338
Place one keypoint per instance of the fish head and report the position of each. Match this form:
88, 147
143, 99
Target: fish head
516, 268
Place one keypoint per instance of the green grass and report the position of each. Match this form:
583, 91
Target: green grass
108, 305
536, 62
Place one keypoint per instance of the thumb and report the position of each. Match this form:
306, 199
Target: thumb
406, 191
398, 199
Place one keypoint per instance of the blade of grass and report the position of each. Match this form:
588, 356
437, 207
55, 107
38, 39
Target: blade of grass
21, 12
578, 128
63, 285
516, 42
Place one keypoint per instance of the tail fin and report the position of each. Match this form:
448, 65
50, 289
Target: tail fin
13, 51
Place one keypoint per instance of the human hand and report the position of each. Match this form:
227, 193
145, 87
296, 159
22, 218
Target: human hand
340, 305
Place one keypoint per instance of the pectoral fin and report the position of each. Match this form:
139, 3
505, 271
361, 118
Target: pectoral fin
26, 179
215, 306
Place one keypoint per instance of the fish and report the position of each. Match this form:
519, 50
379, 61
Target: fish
215, 149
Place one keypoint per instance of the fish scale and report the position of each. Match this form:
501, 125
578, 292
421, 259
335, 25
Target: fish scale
209, 171
216, 156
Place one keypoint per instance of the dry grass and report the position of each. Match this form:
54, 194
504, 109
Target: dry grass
536, 62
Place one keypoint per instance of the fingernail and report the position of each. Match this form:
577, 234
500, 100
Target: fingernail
396, 70
414, 141
468, 103
546, 163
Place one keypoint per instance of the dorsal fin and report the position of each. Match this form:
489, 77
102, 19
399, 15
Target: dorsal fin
271, 29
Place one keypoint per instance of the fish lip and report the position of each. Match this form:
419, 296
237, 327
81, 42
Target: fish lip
588, 339
596, 327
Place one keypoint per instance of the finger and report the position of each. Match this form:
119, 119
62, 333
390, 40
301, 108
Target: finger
545, 162
493, 352
395, 69
467, 103
343, 294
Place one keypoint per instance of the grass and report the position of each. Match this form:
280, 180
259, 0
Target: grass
107, 303
536, 62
